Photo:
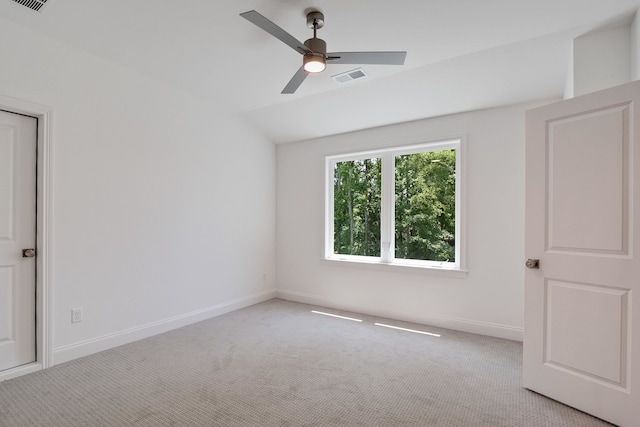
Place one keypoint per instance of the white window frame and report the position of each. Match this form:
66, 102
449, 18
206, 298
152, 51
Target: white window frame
387, 214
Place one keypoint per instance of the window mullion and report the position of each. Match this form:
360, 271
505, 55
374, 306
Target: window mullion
387, 224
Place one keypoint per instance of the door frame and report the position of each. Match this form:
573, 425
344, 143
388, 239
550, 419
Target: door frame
44, 199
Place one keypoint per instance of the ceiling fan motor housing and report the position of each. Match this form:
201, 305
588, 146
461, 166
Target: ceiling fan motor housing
316, 45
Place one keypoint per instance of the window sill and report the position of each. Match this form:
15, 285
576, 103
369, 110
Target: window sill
443, 271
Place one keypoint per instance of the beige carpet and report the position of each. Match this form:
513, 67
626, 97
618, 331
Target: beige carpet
279, 364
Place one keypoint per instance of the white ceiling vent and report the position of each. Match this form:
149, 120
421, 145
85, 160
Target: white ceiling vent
32, 4
350, 76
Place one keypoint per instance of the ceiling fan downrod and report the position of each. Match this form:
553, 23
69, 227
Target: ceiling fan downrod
315, 20
316, 60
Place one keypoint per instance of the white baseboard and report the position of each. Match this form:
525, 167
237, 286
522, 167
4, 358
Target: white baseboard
465, 325
95, 345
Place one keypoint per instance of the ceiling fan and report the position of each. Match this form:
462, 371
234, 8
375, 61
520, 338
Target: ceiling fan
314, 50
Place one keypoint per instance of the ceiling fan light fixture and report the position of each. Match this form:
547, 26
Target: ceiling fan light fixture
314, 63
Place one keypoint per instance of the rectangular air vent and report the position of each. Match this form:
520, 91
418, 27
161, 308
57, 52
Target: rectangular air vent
32, 4
350, 76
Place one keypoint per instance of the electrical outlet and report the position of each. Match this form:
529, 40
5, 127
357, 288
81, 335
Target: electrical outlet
76, 315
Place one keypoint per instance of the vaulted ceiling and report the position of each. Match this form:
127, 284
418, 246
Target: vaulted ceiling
461, 54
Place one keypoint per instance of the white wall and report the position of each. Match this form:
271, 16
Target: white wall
163, 204
635, 47
602, 59
489, 300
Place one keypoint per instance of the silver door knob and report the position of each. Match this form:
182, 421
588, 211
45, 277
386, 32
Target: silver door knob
532, 263
28, 253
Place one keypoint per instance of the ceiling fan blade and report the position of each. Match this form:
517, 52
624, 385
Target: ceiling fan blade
295, 81
383, 58
277, 32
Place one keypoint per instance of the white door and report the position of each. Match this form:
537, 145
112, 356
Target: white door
582, 325
17, 232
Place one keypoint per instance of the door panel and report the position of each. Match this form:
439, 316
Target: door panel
6, 309
582, 190
17, 232
579, 219
569, 333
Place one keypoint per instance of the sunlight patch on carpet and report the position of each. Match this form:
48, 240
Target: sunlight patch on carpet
408, 330
335, 315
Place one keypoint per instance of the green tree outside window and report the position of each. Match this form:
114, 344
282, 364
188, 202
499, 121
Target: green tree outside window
424, 207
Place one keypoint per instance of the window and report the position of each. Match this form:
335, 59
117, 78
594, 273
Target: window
397, 206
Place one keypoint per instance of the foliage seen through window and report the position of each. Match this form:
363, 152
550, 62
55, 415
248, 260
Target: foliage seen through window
424, 208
